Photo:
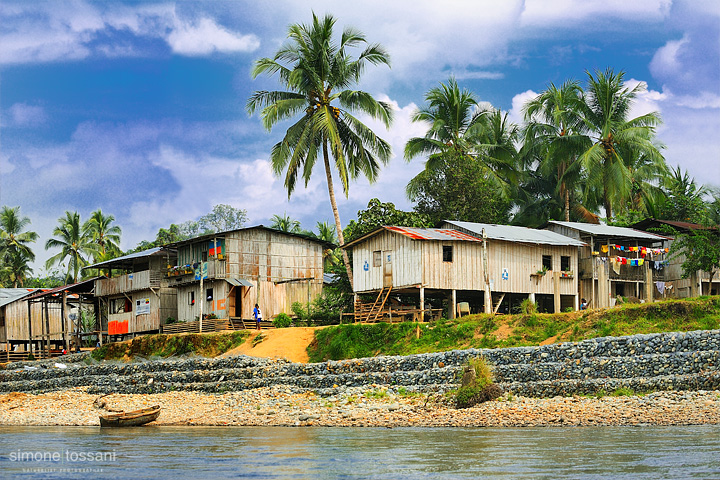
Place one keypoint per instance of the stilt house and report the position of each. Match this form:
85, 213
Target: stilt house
135, 297
455, 264
617, 261
224, 275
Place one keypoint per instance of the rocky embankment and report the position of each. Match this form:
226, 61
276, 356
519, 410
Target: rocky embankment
543, 384
667, 361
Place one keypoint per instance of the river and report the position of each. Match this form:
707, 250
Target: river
328, 453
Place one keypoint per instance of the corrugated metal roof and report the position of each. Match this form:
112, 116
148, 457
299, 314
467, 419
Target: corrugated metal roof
511, 233
443, 234
62, 288
9, 295
239, 282
126, 258
610, 231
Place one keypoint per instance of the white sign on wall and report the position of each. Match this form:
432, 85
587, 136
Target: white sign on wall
142, 306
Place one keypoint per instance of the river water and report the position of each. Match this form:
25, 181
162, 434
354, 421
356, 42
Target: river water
329, 453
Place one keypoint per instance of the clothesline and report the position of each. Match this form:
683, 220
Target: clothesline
642, 250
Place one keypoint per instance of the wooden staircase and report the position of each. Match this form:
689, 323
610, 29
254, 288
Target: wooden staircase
369, 312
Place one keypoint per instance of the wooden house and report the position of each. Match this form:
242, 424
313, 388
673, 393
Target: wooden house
135, 297
455, 264
696, 284
617, 261
224, 275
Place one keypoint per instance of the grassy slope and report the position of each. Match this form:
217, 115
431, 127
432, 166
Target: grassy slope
207, 345
484, 331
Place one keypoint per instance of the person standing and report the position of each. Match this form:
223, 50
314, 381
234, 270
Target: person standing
258, 315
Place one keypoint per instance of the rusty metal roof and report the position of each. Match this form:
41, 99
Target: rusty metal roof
610, 231
443, 234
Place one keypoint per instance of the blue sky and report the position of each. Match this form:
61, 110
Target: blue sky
137, 107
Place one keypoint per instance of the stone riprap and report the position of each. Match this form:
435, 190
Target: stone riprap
667, 361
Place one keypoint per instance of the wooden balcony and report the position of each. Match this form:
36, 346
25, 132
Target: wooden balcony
627, 272
182, 275
128, 283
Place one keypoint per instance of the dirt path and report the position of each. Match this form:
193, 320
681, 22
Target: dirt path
290, 343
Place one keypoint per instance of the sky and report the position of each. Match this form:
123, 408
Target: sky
138, 107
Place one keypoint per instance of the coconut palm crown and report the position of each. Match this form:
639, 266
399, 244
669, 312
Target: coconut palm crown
318, 73
75, 245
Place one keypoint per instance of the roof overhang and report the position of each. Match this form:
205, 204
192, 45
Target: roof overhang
239, 282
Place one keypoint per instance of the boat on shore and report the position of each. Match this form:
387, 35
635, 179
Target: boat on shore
134, 418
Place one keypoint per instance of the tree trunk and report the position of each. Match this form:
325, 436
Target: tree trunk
567, 205
336, 214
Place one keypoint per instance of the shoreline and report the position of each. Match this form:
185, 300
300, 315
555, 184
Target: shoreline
363, 407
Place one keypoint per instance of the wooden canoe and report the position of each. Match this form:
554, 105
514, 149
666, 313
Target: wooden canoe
130, 419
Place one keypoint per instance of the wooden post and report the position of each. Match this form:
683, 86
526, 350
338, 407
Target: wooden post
202, 295
593, 300
30, 342
422, 302
488, 294
65, 321
454, 303
78, 324
556, 291
649, 294
47, 325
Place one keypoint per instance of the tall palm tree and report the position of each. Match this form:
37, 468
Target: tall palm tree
12, 237
317, 71
77, 246
331, 257
555, 137
105, 235
457, 125
605, 108
285, 223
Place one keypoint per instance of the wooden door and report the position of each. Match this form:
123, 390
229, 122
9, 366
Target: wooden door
387, 268
231, 302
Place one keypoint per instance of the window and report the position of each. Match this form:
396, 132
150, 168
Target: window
120, 305
209, 294
377, 258
547, 262
565, 263
447, 253
191, 298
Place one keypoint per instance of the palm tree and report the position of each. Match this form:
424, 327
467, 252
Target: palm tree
16, 268
457, 125
555, 136
75, 244
105, 235
12, 237
331, 257
605, 107
316, 70
285, 224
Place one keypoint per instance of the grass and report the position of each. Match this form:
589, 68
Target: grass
206, 344
481, 331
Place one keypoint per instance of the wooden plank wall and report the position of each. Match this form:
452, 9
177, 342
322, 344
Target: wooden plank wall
163, 304
407, 265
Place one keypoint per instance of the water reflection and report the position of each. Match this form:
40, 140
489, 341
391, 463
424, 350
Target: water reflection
325, 453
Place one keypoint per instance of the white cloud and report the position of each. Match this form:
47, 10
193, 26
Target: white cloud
205, 36
563, 12
515, 113
24, 115
61, 32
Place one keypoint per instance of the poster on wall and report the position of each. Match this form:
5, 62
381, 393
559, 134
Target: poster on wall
142, 306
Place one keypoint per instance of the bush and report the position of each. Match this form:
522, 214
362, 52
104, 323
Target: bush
477, 384
283, 320
527, 306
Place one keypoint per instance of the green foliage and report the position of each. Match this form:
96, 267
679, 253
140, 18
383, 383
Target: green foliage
285, 224
701, 249
207, 344
458, 188
528, 307
15, 251
76, 245
283, 320
376, 394
476, 331
378, 214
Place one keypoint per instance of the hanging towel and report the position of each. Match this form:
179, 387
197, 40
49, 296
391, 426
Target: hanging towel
604, 248
623, 260
661, 287
640, 262
615, 265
